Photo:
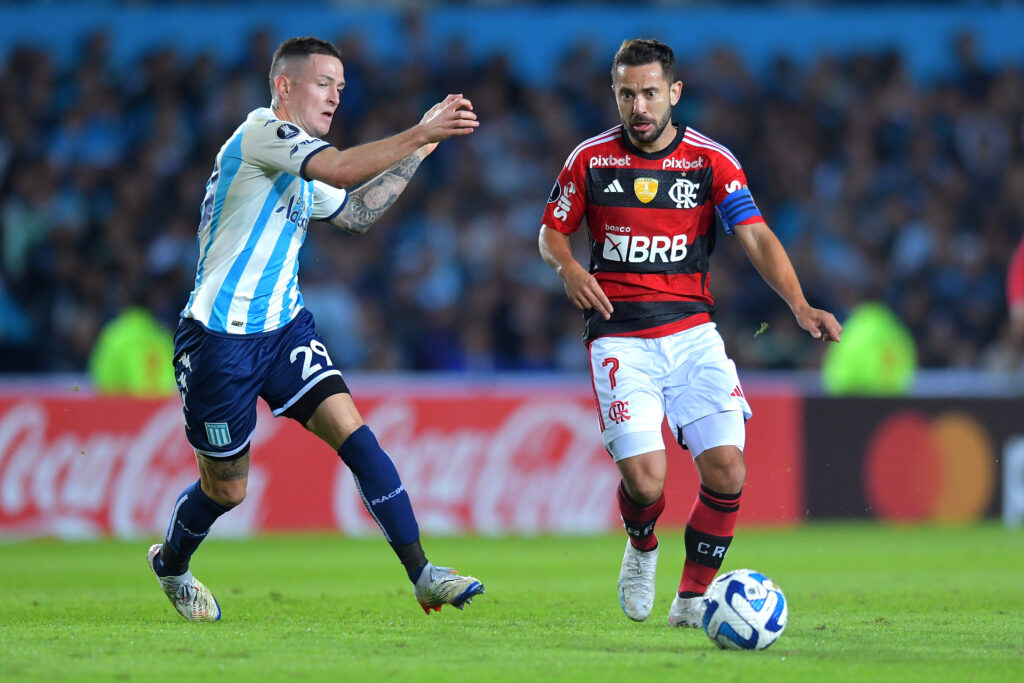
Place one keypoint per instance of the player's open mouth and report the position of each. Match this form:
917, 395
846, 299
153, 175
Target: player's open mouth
642, 126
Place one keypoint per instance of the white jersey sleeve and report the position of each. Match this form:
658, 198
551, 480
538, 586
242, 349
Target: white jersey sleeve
275, 145
328, 201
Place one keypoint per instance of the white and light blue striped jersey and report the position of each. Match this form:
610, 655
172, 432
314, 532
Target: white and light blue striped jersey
253, 223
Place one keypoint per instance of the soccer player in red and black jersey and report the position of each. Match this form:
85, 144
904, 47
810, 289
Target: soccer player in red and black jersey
650, 190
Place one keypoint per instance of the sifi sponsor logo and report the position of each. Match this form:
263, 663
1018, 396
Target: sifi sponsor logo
564, 202
733, 185
641, 249
609, 161
682, 164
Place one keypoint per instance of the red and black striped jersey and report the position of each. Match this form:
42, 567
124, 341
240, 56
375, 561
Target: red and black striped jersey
651, 218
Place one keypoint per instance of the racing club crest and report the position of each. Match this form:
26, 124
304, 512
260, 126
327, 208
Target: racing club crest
645, 189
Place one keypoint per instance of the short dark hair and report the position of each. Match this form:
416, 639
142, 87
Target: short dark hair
298, 47
640, 51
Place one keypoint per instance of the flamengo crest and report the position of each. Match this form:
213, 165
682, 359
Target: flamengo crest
684, 193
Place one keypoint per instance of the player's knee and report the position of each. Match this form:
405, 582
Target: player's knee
644, 489
723, 469
227, 493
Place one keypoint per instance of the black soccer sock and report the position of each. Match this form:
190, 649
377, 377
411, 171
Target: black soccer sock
412, 557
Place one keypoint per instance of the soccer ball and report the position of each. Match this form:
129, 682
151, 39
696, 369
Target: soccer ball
744, 610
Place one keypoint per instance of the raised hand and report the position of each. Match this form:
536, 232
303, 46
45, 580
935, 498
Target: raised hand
452, 116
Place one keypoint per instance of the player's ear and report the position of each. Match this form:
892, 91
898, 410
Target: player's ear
675, 91
282, 85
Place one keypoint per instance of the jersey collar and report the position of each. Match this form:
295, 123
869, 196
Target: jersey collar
661, 153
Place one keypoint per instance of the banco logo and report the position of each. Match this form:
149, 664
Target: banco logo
609, 161
684, 193
642, 249
682, 164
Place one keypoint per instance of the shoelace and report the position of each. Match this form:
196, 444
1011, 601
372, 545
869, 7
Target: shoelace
186, 592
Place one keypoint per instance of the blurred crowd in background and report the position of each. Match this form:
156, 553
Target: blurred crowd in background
881, 188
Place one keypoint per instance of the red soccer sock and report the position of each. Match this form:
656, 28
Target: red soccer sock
709, 532
639, 519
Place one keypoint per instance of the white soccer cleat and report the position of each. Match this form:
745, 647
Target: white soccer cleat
443, 586
190, 597
686, 612
636, 582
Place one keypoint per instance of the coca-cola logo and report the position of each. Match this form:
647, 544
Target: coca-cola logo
64, 472
542, 468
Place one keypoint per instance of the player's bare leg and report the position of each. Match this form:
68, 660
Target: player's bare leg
338, 423
641, 502
709, 530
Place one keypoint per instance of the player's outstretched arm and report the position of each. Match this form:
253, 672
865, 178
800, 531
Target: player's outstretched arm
581, 287
451, 117
769, 257
369, 201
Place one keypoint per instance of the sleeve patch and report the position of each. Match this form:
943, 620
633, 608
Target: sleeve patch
287, 131
556, 191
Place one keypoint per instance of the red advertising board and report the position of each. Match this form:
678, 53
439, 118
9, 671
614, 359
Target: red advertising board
522, 459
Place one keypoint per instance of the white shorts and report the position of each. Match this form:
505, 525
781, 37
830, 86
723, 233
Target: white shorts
685, 376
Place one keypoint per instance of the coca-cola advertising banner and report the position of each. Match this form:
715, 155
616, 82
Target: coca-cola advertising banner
475, 459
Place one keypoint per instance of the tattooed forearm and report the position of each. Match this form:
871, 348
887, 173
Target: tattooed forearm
406, 167
369, 201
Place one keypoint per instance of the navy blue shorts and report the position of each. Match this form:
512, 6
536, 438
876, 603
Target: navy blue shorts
220, 376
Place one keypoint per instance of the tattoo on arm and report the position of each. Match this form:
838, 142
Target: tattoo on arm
369, 201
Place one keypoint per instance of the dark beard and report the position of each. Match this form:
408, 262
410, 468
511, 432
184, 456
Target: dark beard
655, 132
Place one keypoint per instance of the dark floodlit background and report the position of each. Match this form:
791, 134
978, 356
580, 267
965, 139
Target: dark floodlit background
884, 144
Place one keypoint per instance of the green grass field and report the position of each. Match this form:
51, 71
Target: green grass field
867, 603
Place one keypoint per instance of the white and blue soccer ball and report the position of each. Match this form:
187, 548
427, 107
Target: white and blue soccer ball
744, 610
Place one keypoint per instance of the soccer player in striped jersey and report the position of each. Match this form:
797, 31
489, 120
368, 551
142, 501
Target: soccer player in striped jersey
650, 190
244, 332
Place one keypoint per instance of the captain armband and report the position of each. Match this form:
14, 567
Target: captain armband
737, 207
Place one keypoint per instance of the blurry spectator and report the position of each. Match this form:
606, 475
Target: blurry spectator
877, 356
133, 356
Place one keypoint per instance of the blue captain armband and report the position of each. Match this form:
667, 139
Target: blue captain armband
737, 207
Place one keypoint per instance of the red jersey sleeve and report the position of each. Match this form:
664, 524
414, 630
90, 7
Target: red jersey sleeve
733, 201
567, 203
